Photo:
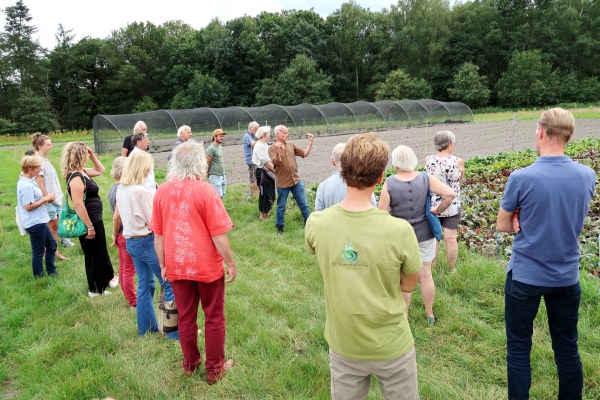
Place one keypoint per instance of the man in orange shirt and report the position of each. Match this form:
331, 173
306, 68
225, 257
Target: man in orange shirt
190, 225
283, 154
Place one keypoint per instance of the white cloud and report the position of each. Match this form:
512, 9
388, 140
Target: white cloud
99, 19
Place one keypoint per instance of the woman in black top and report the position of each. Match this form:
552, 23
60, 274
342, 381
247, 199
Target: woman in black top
88, 205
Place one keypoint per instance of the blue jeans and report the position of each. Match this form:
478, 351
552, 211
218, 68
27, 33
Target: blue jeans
42, 243
521, 306
219, 182
146, 264
299, 194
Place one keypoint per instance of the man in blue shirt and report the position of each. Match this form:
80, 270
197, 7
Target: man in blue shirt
249, 141
333, 189
545, 204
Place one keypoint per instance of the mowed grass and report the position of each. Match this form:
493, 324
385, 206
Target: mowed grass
56, 343
587, 112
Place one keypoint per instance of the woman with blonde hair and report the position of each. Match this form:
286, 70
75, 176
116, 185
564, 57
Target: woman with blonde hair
84, 193
34, 217
48, 182
126, 266
134, 208
263, 164
404, 195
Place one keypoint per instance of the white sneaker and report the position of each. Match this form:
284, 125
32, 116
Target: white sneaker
114, 283
106, 293
66, 242
93, 294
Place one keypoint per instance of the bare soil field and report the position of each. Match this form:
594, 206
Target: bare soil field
475, 139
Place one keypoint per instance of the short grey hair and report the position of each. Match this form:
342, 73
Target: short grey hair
117, 167
181, 129
404, 158
252, 124
262, 131
443, 139
278, 129
188, 161
336, 154
137, 127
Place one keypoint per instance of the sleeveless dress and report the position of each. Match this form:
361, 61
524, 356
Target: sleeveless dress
407, 201
98, 268
446, 170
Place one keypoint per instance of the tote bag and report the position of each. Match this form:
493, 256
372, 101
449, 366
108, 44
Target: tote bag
70, 225
434, 222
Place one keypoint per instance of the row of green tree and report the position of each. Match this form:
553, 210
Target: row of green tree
508, 53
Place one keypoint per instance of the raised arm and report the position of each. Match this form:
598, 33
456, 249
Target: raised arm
98, 167
310, 137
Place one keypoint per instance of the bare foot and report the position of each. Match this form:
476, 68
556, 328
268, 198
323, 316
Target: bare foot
61, 257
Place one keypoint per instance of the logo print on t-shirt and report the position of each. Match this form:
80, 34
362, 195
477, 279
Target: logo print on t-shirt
349, 254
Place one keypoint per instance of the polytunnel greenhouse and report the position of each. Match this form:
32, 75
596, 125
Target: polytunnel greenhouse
321, 120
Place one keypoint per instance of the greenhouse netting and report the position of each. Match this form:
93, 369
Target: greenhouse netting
321, 120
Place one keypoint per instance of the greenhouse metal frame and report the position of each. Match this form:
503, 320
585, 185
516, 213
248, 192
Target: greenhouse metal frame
322, 120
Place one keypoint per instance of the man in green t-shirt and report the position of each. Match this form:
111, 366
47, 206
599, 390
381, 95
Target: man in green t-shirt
214, 159
367, 259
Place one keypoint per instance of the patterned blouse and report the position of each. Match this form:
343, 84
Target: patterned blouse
446, 170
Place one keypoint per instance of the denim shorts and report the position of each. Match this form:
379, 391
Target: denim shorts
219, 182
53, 210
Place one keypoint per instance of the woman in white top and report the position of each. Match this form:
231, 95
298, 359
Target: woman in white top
266, 183
450, 170
134, 209
48, 182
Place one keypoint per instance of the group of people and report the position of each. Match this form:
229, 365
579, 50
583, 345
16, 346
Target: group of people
177, 233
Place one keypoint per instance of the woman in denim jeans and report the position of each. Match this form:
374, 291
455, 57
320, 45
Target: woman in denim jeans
34, 217
134, 208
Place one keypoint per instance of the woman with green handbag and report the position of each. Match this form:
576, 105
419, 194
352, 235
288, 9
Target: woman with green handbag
98, 268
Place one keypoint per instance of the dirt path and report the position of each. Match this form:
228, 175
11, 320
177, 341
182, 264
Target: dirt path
478, 139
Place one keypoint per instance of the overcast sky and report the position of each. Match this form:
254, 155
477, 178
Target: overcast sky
99, 18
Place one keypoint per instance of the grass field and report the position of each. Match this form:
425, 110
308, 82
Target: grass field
57, 343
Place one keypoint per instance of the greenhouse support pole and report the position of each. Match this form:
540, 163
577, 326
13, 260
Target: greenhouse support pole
425, 137
514, 124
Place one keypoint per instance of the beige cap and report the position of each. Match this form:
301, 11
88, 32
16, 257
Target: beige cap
217, 132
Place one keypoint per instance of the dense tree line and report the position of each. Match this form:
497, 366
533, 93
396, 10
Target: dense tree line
509, 53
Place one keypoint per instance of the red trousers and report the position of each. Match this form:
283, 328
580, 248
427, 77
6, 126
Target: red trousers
212, 296
126, 272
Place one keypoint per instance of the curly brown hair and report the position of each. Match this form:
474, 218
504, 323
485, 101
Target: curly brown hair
74, 158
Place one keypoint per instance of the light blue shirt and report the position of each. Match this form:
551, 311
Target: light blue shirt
333, 190
29, 192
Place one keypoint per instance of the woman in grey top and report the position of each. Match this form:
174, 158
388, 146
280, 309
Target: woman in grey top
404, 195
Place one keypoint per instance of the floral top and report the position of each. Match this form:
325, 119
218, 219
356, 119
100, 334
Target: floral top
446, 170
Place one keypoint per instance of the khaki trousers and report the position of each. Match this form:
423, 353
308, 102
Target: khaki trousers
350, 379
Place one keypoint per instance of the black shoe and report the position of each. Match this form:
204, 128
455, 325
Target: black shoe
280, 230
